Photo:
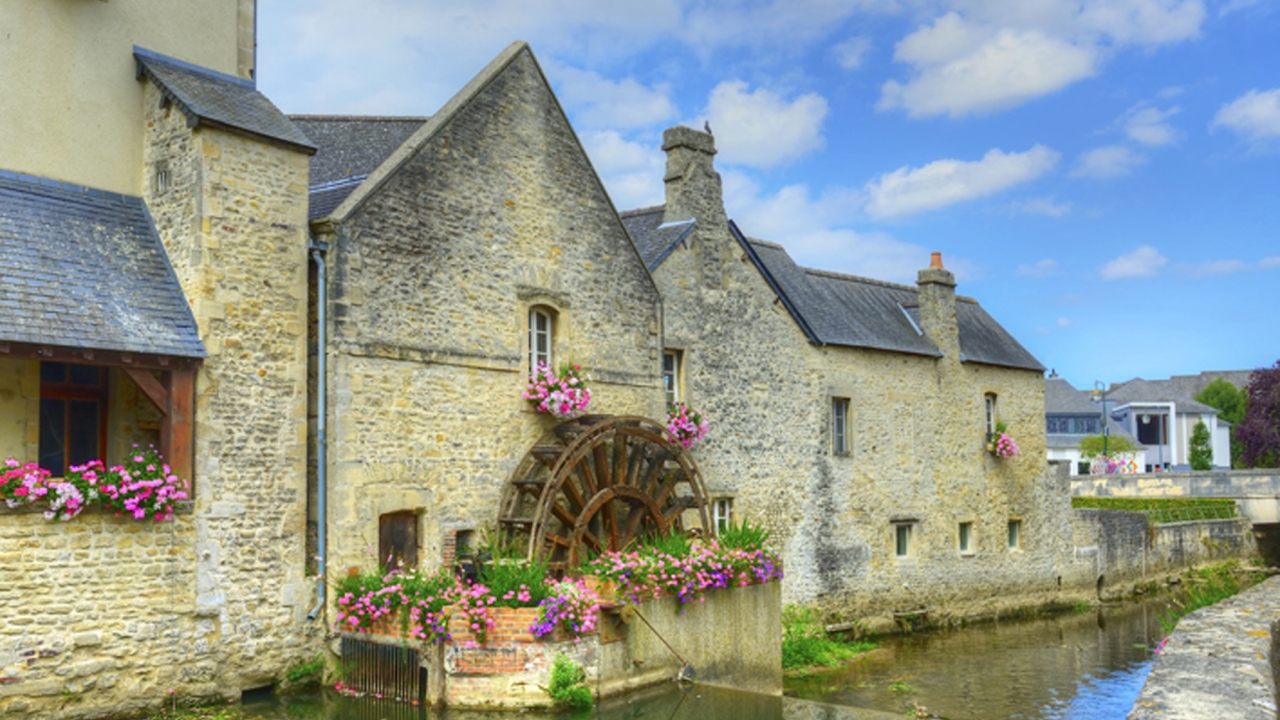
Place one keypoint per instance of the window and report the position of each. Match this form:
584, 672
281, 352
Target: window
1015, 534
398, 540
840, 426
902, 540
989, 400
73, 415
542, 328
161, 177
722, 512
671, 375
966, 537
1079, 425
1151, 430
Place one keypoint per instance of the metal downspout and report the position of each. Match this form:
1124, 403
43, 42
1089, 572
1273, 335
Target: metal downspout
322, 377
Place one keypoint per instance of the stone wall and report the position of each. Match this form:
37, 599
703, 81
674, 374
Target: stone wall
1114, 549
916, 426
494, 210
1256, 490
106, 615
1219, 662
234, 225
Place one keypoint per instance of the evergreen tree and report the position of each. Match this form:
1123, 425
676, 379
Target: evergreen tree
1259, 432
1229, 400
1201, 448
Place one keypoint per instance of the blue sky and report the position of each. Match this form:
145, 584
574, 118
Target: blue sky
1102, 175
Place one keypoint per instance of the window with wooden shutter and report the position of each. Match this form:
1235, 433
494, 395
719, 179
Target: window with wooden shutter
398, 540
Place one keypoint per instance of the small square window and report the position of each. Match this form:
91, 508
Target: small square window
398, 540
902, 540
671, 375
1015, 534
840, 426
966, 537
722, 511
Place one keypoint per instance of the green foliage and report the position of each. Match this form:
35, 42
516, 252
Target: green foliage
1163, 510
305, 670
1227, 398
744, 536
568, 684
805, 642
1201, 448
1091, 446
506, 578
1259, 430
1204, 587
900, 686
674, 543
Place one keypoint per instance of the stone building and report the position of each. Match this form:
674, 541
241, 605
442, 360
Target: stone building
852, 415
153, 250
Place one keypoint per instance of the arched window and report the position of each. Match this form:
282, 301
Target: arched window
542, 327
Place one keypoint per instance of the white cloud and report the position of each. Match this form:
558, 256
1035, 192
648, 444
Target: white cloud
851, 52
760, 129
1232, 6
987, 55
1043, 206
631, 171
1064, 322
597, 102
1107, 162
1042, 269
955, 79
1255, 115
1219, 267
907, 191
1143, 262
1269, 263
811, 228
1147, 125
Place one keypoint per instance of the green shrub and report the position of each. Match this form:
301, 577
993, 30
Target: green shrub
1163, 510
744, 536
805, 642
674, 543
1204, 587
305, 670
506, 579
568, 684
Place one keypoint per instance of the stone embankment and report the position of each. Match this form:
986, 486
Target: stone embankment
1219, 663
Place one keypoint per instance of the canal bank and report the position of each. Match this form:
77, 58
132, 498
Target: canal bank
1220, 662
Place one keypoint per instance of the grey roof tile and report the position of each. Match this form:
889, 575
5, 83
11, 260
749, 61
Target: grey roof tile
324, 199
351, 146
1062, 398
85, 269
207, 96
1138, 390
654, 239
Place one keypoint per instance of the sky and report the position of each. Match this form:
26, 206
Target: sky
1103, 176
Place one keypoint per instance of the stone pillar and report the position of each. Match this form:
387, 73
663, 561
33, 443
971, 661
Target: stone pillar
938, 307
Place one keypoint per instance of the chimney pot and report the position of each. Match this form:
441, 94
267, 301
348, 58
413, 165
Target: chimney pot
936, 261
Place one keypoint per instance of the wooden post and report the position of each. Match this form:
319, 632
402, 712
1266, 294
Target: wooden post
436, 688
177, 441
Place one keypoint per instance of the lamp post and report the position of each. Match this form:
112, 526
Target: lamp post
1100, 388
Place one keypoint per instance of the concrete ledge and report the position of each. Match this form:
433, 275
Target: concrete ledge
1218, 663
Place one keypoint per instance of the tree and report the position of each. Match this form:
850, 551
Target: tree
1201, 448
1259, 431
1091, 446
1229, 400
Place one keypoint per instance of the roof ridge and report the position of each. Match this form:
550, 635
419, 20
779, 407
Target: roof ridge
643, 211
766, 243
858, 278
323, 117
154, 56
45, 182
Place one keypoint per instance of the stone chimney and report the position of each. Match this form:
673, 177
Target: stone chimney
938, 307
692, 183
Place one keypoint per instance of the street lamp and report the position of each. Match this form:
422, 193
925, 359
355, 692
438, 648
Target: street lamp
1100, 388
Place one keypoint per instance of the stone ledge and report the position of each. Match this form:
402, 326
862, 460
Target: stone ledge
186, 507
1217, 663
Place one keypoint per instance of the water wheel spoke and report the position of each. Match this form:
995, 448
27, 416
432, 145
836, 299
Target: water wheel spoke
620, 458
571, 494
558, 540
563, 515
611, 524
657, 462
632, 523
667, 486
600, 453
638, 457
588, 478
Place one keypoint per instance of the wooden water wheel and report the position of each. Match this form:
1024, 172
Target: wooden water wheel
598, 483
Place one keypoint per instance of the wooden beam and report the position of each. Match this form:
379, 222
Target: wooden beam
177, 439
92, 356
150, 387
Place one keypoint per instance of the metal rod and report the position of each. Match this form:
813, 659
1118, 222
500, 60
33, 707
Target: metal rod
664, 640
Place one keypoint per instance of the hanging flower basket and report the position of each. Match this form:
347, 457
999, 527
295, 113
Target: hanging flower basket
1001, 444
686, 424
563, 395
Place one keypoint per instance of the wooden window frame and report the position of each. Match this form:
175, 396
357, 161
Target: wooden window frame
671, 379
549, 332
840, 445
68, 391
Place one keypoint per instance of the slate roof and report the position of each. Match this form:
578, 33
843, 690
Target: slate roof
654, 239
1062, 399
1138, 390
1191, 385
209, 97
350, 146
324, 199
84, 268
837, 309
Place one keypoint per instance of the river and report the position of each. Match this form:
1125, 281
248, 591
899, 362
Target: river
1071, 666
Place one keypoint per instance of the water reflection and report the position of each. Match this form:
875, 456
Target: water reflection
1065, 667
